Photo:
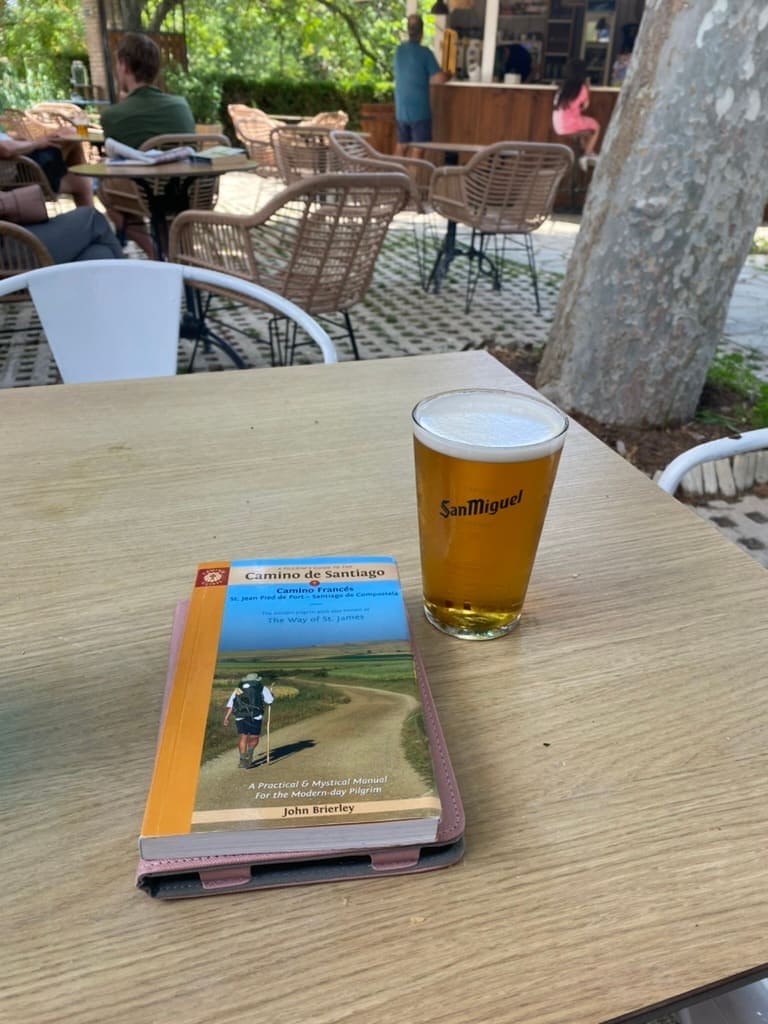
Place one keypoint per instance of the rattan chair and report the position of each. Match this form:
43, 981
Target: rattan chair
17, 171
252, 128
55, 109
355, 153
19, 125
144, 201
316, 243
334, 119
352, 153
20, 250
301, 152
505, 192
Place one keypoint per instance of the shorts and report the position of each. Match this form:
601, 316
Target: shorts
573, 124
249, 726
414, 131
51, 163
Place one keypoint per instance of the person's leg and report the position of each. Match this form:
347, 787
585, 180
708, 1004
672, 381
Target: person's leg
591, 125
53, 163
79, 187
421, 131
133, 230
403, 138
70, 235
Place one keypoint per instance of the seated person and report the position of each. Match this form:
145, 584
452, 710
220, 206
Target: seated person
82, 234
144, 112
53, 154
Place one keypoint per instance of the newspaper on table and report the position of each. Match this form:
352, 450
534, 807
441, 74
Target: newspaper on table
119, 153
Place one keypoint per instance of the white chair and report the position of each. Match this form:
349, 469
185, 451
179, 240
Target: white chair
119, 319
723, 448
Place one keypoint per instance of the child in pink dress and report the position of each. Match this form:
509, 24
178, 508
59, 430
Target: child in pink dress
568, 118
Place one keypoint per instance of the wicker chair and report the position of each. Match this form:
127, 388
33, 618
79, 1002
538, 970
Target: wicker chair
334, 119
17, 171
507, 189
316, 243
354, 154
252, 128
70, 112
144, 201
302, 152
20, 125
20, 250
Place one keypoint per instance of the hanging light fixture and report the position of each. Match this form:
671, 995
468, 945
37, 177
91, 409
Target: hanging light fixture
439, 7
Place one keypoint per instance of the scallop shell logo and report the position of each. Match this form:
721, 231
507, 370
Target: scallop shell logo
213, 577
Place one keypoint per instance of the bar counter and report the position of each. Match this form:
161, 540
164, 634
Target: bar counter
483, 112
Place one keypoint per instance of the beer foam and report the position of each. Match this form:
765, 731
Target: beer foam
485, 425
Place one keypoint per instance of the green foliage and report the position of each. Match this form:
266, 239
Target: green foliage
40, 40
306, 97
415, 746
202, 92
749, 406
285, 55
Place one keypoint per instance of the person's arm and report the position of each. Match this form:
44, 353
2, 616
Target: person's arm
584, 96
9, 148
436, 74
230, 705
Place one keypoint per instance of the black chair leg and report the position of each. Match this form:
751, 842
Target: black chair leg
532, 268
351, 333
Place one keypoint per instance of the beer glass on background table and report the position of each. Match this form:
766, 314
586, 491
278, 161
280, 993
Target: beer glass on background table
485, 464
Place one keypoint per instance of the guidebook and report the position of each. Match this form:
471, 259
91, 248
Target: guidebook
294, 723
192, 876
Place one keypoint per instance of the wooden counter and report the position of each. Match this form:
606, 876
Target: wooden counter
475, 112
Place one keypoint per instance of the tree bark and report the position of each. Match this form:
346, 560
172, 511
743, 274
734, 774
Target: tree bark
678, 192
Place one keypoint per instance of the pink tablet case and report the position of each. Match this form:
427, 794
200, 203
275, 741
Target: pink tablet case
207, 876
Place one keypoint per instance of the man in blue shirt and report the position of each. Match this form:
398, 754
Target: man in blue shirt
415, 68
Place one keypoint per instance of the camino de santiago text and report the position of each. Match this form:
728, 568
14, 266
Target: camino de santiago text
479, 506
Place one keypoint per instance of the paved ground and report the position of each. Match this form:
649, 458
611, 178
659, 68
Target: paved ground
398, 318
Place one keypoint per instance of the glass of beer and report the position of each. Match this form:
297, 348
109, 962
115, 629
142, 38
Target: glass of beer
485, 466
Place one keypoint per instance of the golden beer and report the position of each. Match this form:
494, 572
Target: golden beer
485, 467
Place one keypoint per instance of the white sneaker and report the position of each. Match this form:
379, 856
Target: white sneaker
584, 163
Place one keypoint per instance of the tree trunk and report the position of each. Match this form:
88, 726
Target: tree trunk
675, 200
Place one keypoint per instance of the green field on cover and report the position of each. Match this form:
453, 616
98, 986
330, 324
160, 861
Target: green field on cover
310, 683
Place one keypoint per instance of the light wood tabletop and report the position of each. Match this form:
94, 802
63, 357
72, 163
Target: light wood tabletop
611, 752
172, 169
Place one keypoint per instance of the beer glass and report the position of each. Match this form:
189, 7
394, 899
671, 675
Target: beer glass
485, 465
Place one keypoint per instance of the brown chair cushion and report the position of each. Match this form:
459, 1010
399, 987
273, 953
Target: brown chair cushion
24, 205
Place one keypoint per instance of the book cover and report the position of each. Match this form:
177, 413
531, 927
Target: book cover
217, 154
294, 720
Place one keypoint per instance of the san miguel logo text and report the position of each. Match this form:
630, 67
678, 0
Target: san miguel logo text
479, 506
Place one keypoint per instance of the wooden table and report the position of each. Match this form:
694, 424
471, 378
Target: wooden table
611, 752
143, 175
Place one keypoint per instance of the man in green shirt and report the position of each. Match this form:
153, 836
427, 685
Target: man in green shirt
144, 111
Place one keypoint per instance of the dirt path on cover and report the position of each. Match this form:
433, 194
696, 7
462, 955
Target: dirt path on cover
359, 738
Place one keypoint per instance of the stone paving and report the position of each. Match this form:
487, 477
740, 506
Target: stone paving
398, 318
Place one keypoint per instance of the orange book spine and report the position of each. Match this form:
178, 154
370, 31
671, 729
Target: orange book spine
174, 779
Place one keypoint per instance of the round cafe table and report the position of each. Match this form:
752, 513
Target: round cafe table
182, 172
